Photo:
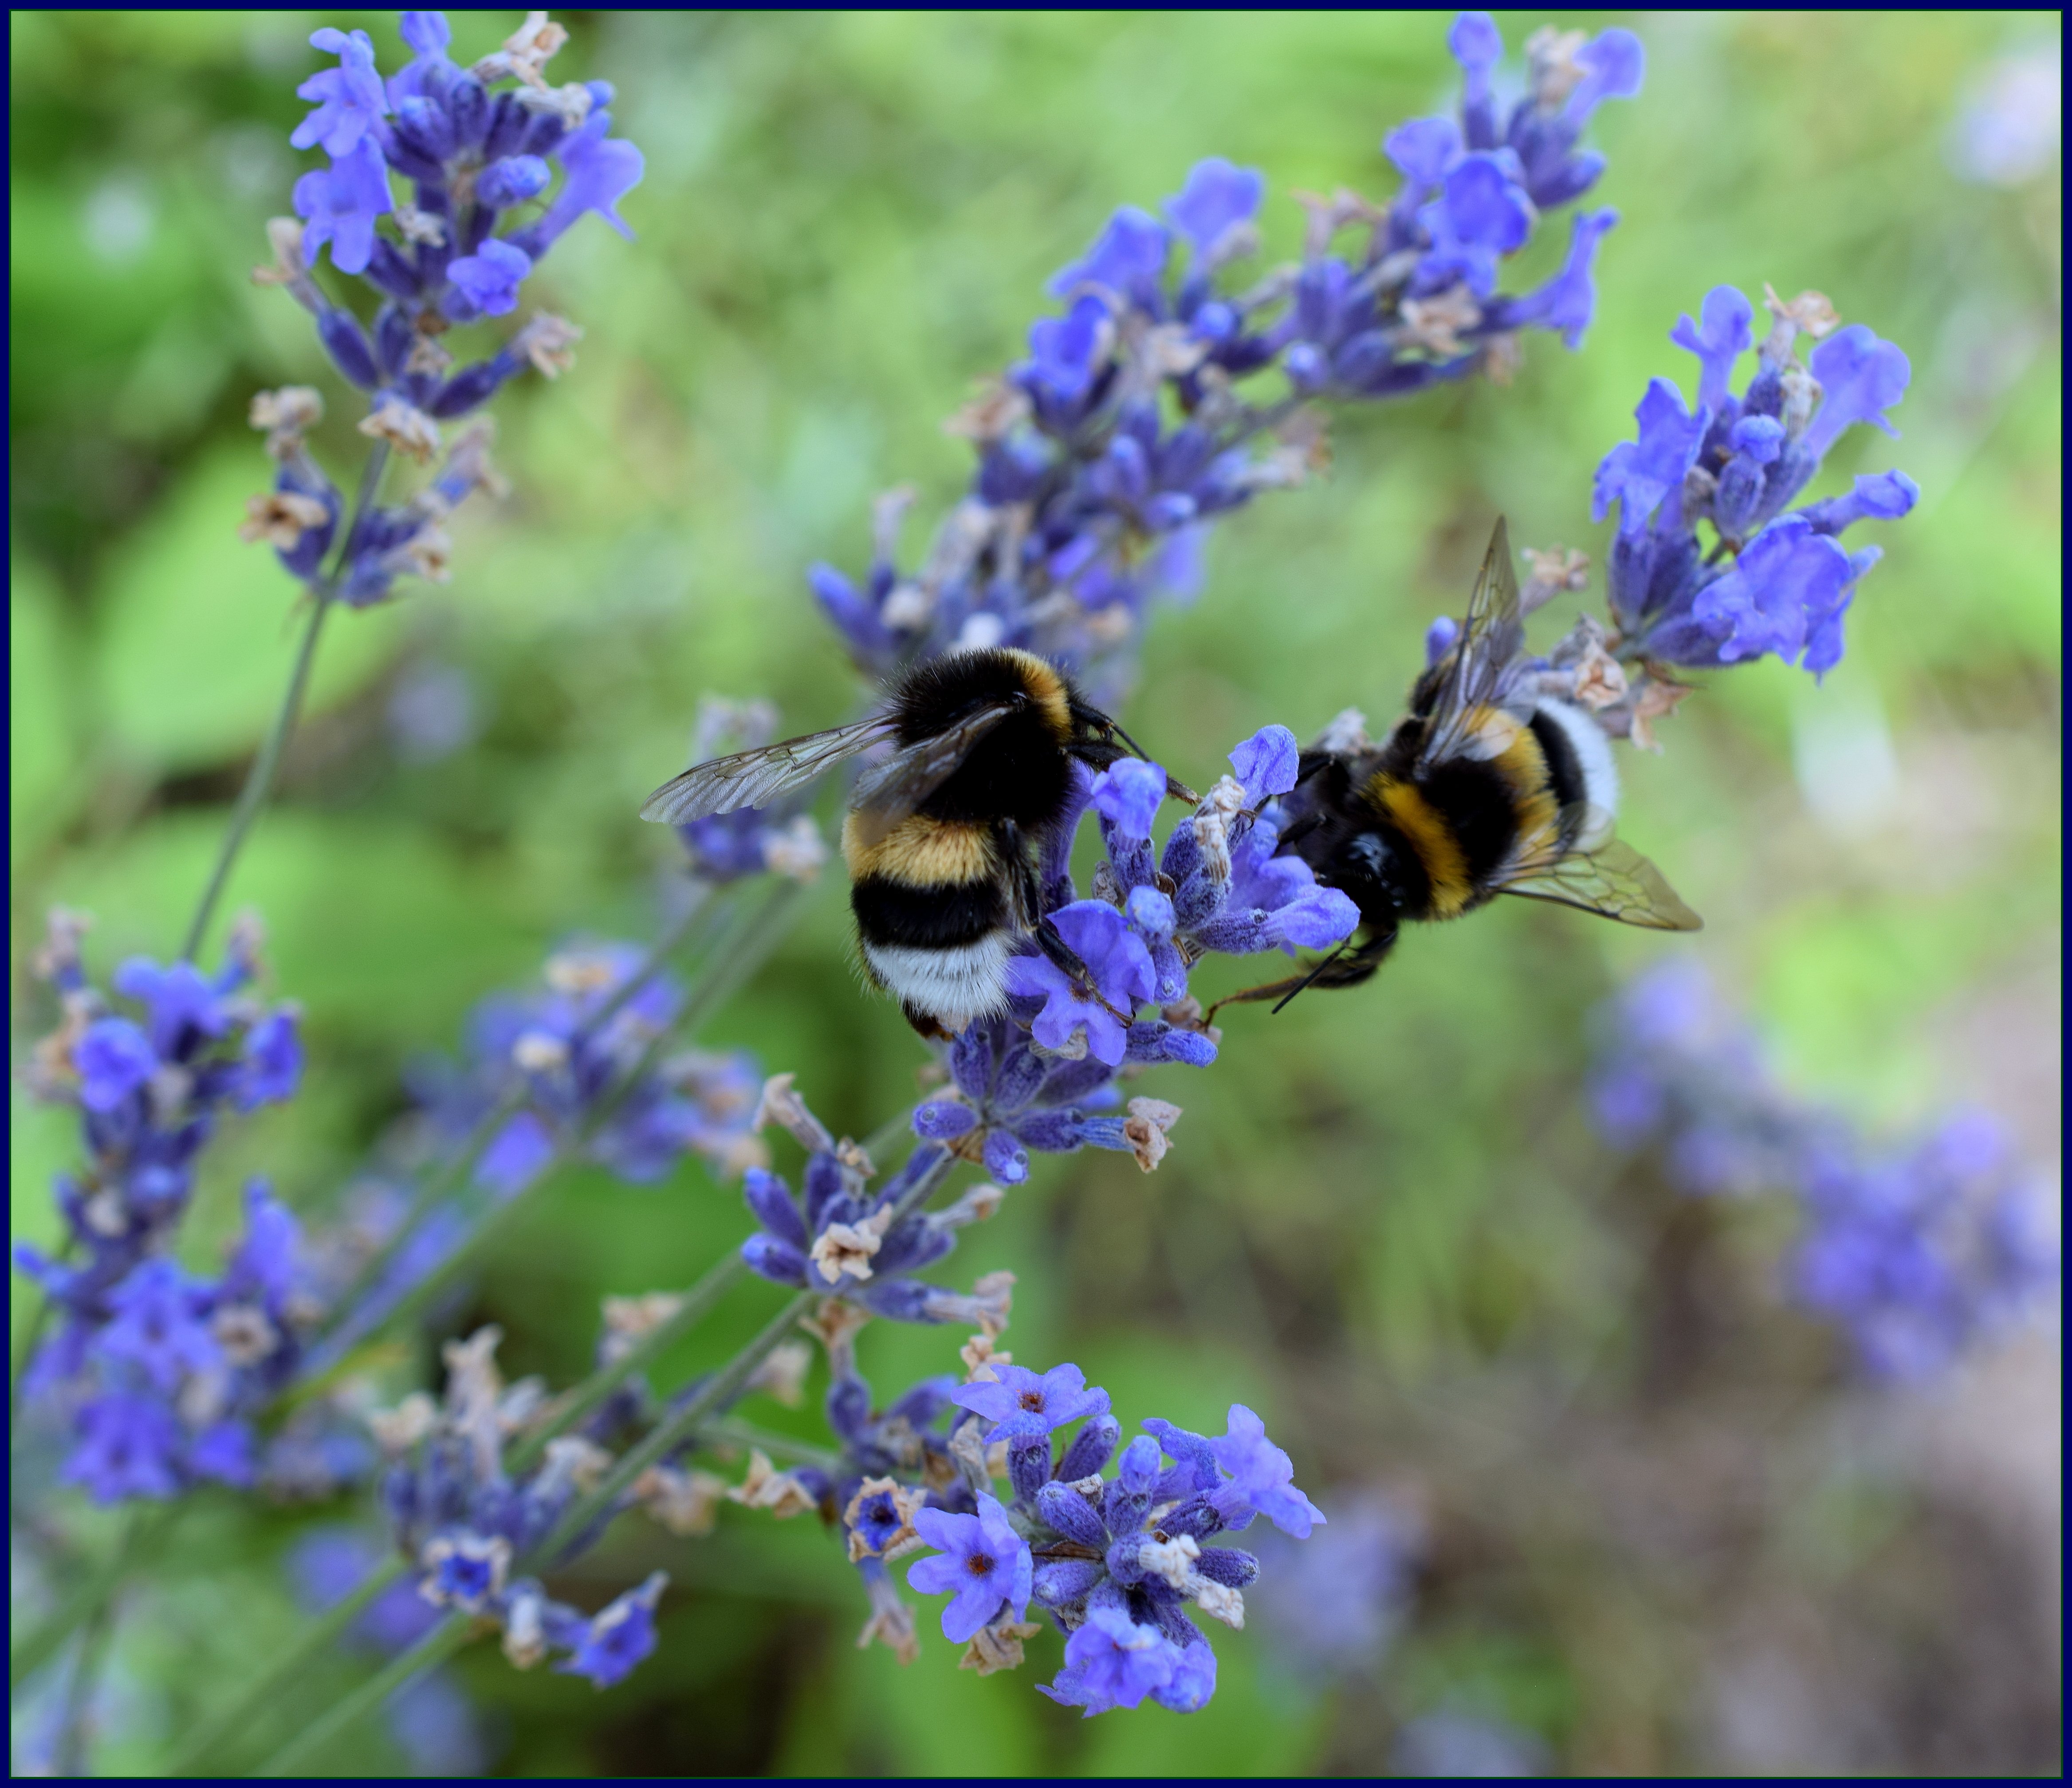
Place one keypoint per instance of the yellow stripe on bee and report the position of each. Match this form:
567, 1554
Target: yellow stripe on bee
1429, 833
1487, 733
918, 852
1523, 765
1047, 689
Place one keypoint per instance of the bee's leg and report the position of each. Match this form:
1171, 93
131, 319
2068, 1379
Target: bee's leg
1344, 967
1025, 877
925, 1022
1295, 833
1061, 953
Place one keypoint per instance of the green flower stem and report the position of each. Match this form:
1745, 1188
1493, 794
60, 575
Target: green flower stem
717, 1394
726, 1431
445, 1639
313, 1638
96, 1628
721, 1389
139, 1538
259, 783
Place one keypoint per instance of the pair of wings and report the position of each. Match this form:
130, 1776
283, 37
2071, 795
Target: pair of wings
1611, 878
892, 788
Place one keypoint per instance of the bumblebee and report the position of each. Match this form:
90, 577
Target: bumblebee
943, 834
1487, 786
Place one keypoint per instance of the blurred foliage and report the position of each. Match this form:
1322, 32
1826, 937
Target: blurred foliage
1384, 1223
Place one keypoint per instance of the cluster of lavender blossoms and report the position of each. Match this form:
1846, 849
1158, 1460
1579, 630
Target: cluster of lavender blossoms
1115, 1561
1761, 577
1918, 1253
455, 1508
482, 149
576, 1058
1043, 1077
1106, 454
154, 1372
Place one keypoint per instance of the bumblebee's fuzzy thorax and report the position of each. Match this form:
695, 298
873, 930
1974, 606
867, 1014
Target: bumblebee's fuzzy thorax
1019, 770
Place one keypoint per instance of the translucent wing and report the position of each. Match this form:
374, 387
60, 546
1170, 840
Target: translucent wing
1612, 879
754, 778
1470, 675
891, 790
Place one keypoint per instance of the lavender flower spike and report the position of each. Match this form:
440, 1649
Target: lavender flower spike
1771, 579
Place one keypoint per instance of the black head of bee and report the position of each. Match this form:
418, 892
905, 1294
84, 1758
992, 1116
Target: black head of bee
1378, 875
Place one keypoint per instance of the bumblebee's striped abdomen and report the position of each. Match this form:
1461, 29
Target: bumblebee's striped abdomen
931, 898
918, 851
1463, 818
1427, 834
927, 883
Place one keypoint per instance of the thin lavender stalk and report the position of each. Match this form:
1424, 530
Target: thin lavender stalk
315, 1637
720, 1389
97, 1628
585, 1396
445, 1639
259, 784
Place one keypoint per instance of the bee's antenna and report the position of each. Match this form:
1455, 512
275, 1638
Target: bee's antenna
1115, 726
1311, 976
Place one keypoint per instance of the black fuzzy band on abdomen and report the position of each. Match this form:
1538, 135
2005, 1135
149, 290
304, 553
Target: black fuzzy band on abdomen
1479, 809
1564, 768
926, 918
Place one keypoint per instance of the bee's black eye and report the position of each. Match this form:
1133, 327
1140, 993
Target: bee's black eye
1368, 858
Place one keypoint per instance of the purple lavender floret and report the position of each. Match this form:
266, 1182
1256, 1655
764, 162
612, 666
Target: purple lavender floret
981, 1563
463, 1517
1772, 580
844, 1241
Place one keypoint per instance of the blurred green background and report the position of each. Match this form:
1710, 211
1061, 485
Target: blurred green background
1663, 1525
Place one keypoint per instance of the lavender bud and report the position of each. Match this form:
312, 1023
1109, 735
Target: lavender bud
1071, 1514
1092, 1448
1029, 1466
346, 344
